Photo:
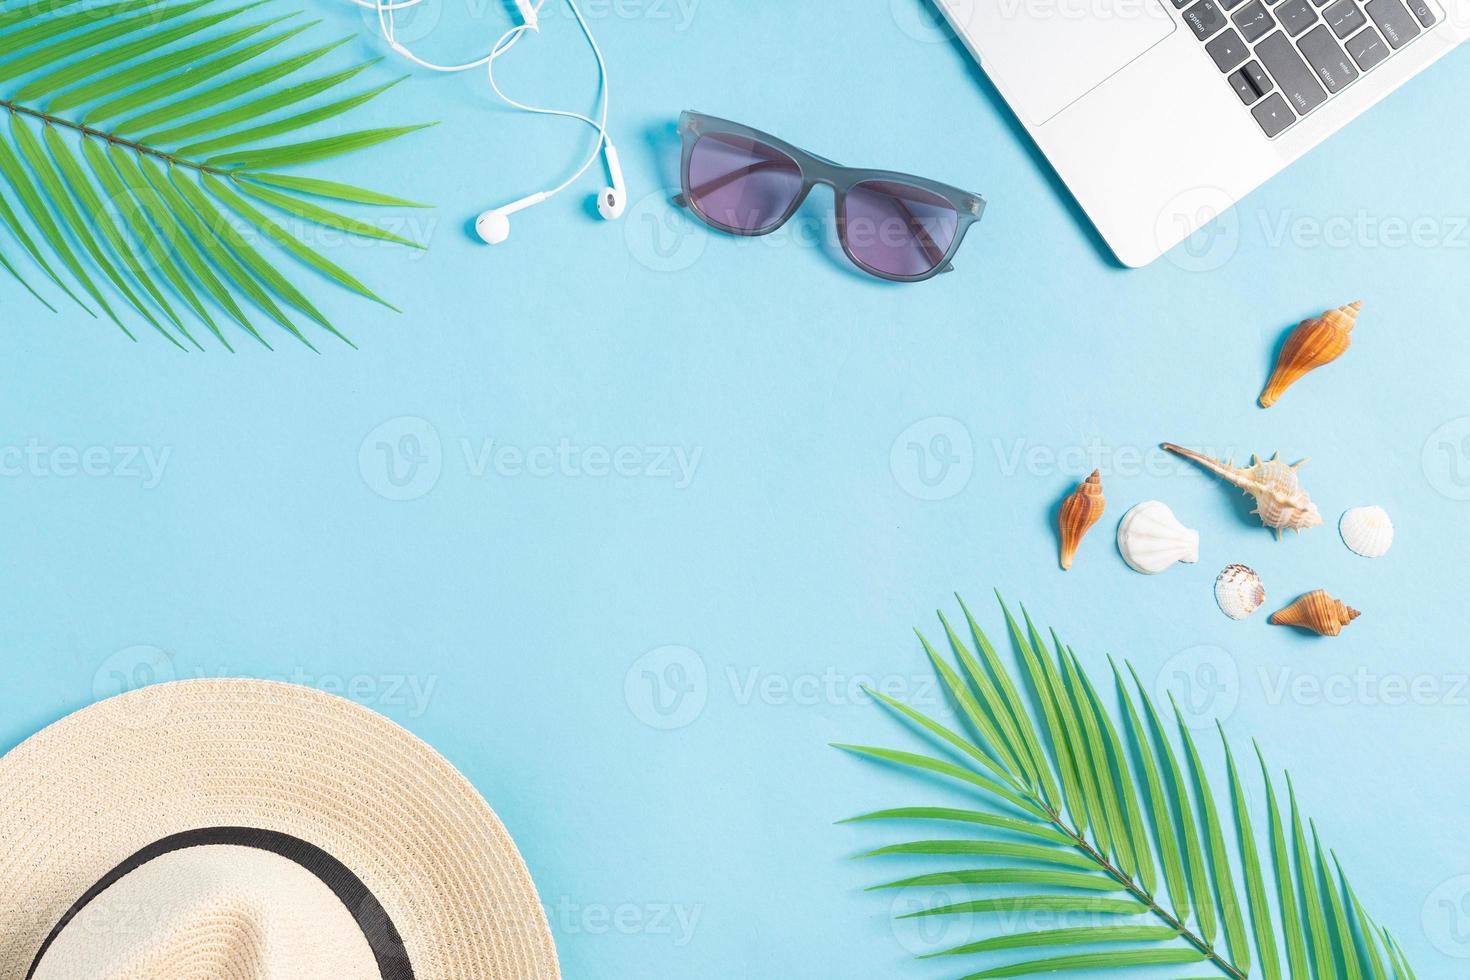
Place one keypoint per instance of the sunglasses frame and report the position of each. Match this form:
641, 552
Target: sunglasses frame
968, 206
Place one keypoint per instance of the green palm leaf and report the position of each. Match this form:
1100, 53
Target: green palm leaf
1188, 835
964, 816
1037, 903
1014, 717
1163, 821
1224, 884
1062, 937
140, 227
1058, 725
1096, 859
1296, 947
1255, 882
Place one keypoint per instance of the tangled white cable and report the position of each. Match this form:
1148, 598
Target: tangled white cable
494, 226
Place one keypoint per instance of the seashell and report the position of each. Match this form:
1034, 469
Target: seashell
1367, 531
1318, 612
1313, 343
1280, 501
1150, 538
1239, 591
1079, 512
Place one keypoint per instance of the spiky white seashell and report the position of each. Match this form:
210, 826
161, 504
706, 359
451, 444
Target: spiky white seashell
1367, 531
1239, 591
1281, 502
1150, 538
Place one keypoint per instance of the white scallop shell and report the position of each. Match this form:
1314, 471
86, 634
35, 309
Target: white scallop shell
1239, 591
1367, 530
1150, 538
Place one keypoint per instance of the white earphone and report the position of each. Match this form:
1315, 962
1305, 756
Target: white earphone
493, 226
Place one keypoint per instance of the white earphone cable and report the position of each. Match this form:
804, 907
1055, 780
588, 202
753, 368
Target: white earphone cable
599, 124
387, 25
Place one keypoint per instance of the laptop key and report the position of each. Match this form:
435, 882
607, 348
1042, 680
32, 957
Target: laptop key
1424, 12
1296, 16
1394, 21
1228, 50
1298, 82
1273, 115
1255, 21
1205, 19
1367, 49
1250, 83
1241, 82
1258, 77
1344, 17
1328, 58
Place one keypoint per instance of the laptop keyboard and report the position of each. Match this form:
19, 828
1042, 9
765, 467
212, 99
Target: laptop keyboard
1285, 58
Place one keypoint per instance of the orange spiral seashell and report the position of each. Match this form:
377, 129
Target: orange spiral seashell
1318, 612
1079, 512
1312, 343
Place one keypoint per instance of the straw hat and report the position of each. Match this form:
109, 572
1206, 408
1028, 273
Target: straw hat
254, 831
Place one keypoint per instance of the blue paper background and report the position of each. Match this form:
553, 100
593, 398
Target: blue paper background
519, 622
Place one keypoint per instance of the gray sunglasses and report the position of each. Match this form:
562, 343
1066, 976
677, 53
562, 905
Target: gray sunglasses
891, 225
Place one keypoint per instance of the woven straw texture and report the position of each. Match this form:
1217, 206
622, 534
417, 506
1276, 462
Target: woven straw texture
221, 912
93, 789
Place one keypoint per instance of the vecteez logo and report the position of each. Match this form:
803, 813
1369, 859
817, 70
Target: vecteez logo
1200, 228
667, 687
1203, 683
934, 458
402, 458
1446, 458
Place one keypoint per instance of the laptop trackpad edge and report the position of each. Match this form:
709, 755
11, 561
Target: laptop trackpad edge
1047, 54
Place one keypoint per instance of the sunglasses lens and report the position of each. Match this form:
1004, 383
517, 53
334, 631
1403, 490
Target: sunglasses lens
741, 183
898, 229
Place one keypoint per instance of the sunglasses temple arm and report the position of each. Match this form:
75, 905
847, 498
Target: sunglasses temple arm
725, 180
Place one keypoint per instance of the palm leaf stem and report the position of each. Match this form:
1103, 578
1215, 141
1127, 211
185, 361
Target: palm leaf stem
112, 138
1163, 914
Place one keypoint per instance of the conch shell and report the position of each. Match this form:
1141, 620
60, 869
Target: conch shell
1313, 343
1318, 612
1079, 512
1280, 501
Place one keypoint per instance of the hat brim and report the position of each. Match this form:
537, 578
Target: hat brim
83, 795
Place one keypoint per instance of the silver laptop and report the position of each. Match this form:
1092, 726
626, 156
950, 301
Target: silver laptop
1161, 114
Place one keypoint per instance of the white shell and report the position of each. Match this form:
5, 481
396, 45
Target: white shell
1367, 530
1239, 591
1151, 538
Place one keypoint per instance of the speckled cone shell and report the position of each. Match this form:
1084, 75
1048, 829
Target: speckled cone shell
1313, 343
1318, 612
1079, 512
1281, 503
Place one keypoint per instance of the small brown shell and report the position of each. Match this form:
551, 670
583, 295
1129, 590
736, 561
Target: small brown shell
1312, 343
1318, 612
1079, 512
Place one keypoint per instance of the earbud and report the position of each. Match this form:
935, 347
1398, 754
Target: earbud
528, 14
613, 201
493, 227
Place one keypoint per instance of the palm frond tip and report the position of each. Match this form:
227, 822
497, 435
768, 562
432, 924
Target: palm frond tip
139, 134
1074, 815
